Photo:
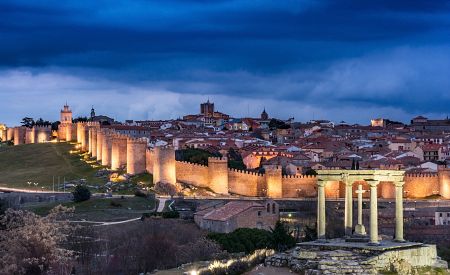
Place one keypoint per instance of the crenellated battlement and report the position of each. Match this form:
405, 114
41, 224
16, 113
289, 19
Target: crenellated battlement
131, 140
421, 175
191, 163
245, 172
299, 177
217, 159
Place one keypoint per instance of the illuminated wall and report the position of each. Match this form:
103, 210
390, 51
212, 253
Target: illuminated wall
136, 148
218, 175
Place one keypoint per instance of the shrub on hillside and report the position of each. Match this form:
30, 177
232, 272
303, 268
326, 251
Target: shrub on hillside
243, 240
170, 215
140, 193
282, 238
81, 193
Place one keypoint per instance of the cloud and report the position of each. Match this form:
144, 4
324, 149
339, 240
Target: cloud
347, 60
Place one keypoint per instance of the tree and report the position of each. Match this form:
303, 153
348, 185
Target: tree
81, 193
282, 238
31, 244
310, 172
27, 122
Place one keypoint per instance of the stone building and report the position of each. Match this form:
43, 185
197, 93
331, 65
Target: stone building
238, 214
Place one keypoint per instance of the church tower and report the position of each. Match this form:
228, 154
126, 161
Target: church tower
92, 113
264, 115
66, 115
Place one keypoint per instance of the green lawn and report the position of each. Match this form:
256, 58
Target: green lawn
40, 162
101, 209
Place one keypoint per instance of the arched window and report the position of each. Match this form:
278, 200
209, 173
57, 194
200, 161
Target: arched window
268, 208
273, 208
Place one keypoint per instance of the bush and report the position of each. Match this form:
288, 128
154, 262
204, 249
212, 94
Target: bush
170, 215
114, 203
243, 240
281, 237
140, 193
81, 193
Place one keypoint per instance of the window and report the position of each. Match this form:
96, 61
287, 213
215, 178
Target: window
448, 214
273, 208
268, 208
259, 213
440, 214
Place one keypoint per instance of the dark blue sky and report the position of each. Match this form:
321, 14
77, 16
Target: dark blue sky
340, 60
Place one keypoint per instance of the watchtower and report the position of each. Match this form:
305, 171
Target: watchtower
218, 175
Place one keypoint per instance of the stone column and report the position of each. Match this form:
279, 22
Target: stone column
348, 215
399, 211
373, 212
321, 210
359, 228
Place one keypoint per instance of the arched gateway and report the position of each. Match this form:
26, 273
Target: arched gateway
372, 178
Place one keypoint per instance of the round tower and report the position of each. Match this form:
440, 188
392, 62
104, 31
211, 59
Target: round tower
118, 151
100, 135
218, 175
19, 135
274, 181
106, 148
136, 155
10, 134
164, 165
444, 182
93, 141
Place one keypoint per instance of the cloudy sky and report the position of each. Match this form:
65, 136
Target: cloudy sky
142, 59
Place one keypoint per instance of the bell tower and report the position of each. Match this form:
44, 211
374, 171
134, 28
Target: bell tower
66, 115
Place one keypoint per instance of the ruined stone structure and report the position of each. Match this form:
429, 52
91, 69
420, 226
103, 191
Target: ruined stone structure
136, 162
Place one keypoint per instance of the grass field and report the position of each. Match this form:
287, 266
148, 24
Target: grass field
102, 209
40, 163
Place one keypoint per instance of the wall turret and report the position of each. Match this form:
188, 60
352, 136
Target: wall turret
19, 135
274, 181
136, 155
30, 135
444, 182
164, 166
93, 141
118, 151
10, 134
100, 135
218, 175
106, 148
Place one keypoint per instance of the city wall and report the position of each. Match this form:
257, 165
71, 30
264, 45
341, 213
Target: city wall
116, 151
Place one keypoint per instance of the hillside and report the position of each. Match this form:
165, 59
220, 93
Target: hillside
39, 163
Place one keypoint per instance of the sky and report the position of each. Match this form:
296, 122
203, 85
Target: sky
308, 59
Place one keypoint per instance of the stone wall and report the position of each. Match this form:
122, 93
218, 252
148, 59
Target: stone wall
100, 135
444, 182
245, 183
305, 186
192, 173
421, 185
10, 134
30, 135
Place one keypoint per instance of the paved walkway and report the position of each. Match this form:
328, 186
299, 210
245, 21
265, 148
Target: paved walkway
162, 203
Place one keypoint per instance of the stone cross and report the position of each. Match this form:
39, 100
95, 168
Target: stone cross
359, 228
